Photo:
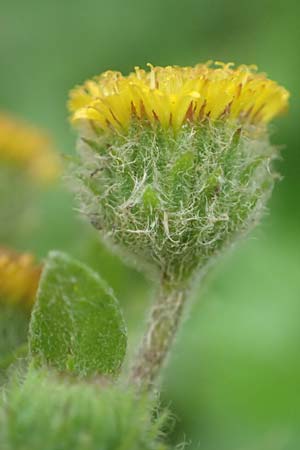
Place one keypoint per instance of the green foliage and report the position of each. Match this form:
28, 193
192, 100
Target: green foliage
76, 324
50, 413
173, 201
248, 321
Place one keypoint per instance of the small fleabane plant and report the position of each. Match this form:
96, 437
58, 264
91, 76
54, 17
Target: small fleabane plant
175, 163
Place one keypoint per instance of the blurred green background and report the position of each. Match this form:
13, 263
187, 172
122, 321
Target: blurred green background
233, 382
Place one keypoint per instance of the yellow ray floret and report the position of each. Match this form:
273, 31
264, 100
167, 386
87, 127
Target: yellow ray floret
19, 278
27, 147
174, 95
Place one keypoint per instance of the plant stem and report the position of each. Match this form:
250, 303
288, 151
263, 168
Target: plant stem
163, 324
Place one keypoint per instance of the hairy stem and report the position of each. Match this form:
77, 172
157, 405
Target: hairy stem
162, 327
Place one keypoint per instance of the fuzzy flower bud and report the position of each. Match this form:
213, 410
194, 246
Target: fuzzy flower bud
175, 162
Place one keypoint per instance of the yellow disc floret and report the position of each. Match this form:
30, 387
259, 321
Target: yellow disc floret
27, 147
19, 278
175, 95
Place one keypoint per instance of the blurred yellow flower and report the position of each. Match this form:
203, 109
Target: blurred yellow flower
25, 146
19, 277
174, 95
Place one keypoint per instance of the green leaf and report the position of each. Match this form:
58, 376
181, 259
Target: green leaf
76, 325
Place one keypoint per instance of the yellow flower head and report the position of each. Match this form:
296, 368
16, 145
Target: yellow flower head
173, 95
25, 146
19, 278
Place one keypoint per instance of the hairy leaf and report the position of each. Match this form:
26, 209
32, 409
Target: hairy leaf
76, 324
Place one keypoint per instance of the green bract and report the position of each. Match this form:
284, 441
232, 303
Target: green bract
170, 200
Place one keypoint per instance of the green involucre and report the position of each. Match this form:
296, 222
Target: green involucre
174, 201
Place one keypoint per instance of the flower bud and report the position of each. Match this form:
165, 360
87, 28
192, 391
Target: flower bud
175, 162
